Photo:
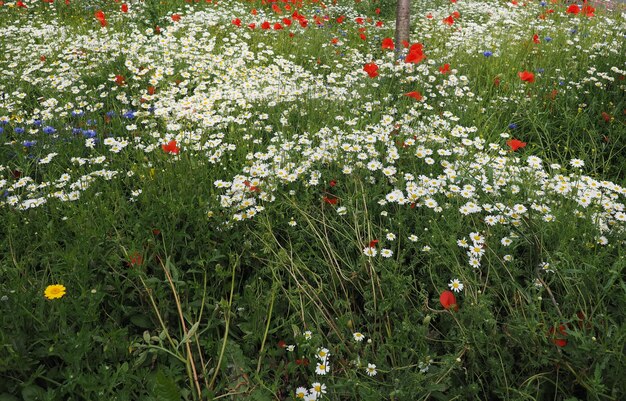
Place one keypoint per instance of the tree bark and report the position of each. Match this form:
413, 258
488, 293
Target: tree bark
403, 23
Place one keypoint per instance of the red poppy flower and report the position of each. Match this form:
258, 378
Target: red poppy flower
444, 69
557, 336
331, 200
277, 26
20, 4
588, 11
124, 8
282, 344
236, 22
334, 41
276, 9
135, 259
526, 76
265, 25
120, 80
415, 54
377, 11
606, 117
573, 9
515, 144
42, 58
359, 20
332, 183
362, 36
151, 90
373, 243
456, 15
388, 44
253, 11
415, 95
340, 19
171, 147
379, 24
101, 17
448, 20
371, 69
286, 21
252, 25
536, 39
448, 300
175, 17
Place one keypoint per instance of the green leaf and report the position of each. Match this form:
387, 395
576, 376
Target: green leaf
190, 333
141, 321
33, 392
165, 388
7, 397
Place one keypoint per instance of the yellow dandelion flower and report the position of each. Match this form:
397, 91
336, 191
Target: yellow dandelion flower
54, 291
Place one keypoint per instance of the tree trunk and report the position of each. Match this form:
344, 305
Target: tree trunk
403, 23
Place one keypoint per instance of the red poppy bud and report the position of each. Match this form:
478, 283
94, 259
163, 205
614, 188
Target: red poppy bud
448, 300
557, 336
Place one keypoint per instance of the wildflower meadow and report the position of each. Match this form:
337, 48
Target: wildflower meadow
273, 200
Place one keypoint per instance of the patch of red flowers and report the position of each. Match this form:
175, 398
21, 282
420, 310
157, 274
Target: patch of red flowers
444, 69
175, 17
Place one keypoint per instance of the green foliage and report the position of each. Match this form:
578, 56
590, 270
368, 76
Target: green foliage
170, 296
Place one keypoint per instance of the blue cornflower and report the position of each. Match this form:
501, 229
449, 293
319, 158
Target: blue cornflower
151, 109
110, 113
77, 131
18, 130
91, 122
3, 122
543, 4
29, 144
540, 70
547, 39
512, 126
1, 130
78, 113
49, 130
487, 53
37, 123
89, 133
573, 31
130, 114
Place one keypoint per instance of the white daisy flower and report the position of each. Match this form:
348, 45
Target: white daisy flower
371, 369
455, 285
